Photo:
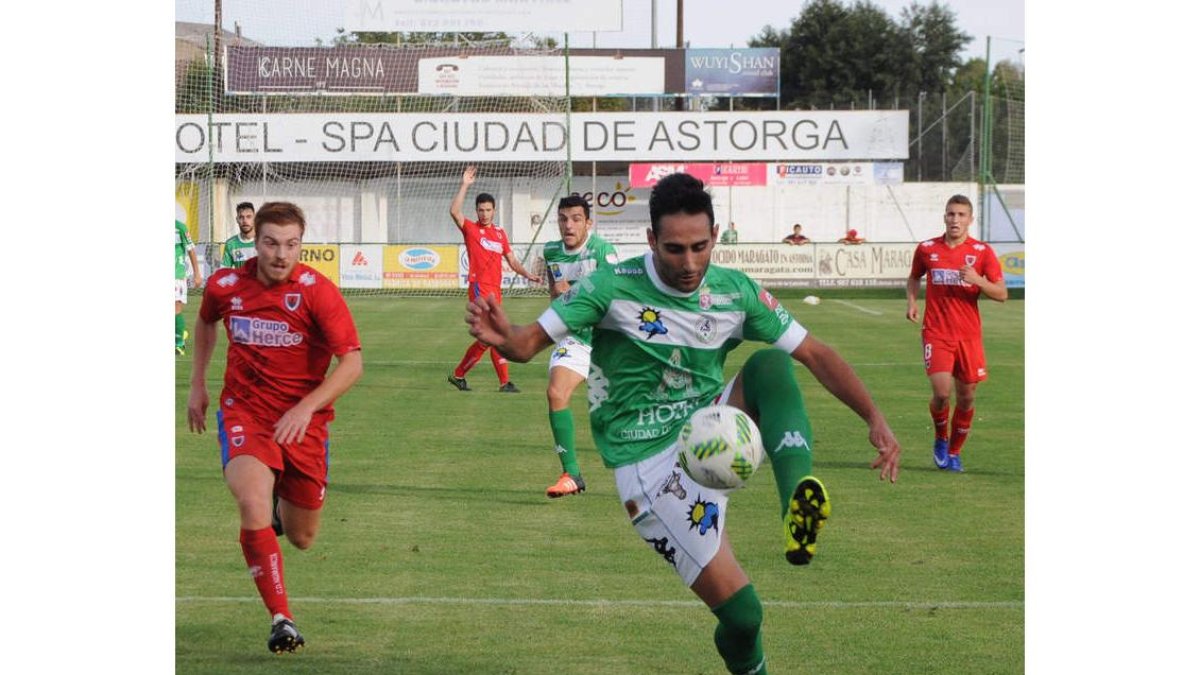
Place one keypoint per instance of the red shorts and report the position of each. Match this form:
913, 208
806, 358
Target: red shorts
963, 359
476, 289
301, 469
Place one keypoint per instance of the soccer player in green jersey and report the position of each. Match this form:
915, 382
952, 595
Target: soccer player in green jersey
240, 247
663, 325
580, 252
184, 248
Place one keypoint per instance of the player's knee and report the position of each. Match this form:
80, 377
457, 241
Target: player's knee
558, 396
767, 363
303, 539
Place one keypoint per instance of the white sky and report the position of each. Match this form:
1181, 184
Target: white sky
707, 23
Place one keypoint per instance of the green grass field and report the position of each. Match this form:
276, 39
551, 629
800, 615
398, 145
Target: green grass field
439, 553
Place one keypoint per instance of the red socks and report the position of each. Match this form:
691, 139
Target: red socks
265, 560
962, 427
501, 365
474, 353
941, 422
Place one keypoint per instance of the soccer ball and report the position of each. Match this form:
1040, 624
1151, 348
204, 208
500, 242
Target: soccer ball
720, 447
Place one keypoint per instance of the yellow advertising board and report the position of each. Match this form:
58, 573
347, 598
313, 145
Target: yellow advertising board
187, 207
323, 258
434, 266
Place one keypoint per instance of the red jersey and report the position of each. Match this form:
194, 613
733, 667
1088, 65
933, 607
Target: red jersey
281, 338
486, 247
952, 305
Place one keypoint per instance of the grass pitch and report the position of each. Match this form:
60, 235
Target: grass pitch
439, 554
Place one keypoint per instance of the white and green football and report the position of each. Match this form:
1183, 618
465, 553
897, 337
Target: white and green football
720, 447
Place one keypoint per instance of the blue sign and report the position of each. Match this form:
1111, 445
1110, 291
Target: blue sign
732, 72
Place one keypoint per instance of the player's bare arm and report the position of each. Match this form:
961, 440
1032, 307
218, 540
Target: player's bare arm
456, 213
520, 269
292, 426
996, 290
197, 278
836, 375
488, 323
912, 287
205, 341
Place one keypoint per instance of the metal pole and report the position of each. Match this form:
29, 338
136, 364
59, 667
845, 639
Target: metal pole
985, 154
567, 69
653, 43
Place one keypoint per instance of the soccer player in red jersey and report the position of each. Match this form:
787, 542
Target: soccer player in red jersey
285, 322
487, 244
957, 269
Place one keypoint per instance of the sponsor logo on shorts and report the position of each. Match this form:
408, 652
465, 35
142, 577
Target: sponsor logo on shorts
559, 353
703, 516
663, 548
238, 441
673, 486
248, 330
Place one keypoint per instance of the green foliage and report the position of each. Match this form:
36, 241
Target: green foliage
439, 553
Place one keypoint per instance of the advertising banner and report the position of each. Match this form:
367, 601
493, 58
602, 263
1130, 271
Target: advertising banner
795, 135
713, 175
541, 76
323, 258
863, 265
417, 266
620, 212
363, 267
733, 72
464, 16
1012, 263
531, 260
845, 173
770, 264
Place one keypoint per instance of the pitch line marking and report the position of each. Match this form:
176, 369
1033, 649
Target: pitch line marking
786, 604
860, 308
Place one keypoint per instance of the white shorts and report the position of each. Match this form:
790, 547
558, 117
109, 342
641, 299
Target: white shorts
573, 355
181, 286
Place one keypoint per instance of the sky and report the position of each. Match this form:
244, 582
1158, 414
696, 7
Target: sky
707, 23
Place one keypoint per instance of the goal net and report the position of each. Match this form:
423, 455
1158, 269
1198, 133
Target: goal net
329, 121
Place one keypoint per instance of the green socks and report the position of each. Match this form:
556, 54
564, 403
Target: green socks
562, 425
773, 396
739, 635
179, 329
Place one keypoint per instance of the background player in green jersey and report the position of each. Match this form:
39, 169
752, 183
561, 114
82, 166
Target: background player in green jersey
579, 252
184, 248
663, 325
240, 247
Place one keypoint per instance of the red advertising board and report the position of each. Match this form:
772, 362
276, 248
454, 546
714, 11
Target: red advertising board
714, 175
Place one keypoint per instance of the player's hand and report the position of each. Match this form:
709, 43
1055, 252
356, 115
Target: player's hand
292, 426
561, 287
913, 313
486, 321
197, 408
469, 175
197, 282
534, 278
888, 459
970, 275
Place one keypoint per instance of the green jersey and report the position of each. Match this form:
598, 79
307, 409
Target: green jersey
237, 252
565, 265
729, 236
658, 353
183, 244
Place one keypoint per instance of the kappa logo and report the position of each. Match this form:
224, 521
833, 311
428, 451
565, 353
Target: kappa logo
663, 547
359, 260
291, 301
791, 439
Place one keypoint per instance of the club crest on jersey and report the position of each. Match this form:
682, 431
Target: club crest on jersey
706, 299
291, 301
703, 516
704, 329
651, 322
970, 260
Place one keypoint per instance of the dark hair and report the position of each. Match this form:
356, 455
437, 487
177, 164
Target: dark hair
576, 200
961, 199
679, 193
484, 197
278, 213
243, 206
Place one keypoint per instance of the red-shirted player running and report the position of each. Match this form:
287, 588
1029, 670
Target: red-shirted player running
486, 245
285, 321
957, 269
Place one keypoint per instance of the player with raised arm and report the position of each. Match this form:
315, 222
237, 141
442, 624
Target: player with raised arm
240, 247
663, 325
285, 323
957, 269
184, 249
487, 244
580, 252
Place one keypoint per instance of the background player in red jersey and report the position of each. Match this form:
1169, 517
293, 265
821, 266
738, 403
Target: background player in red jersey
487, 244
285, 322
957, 269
